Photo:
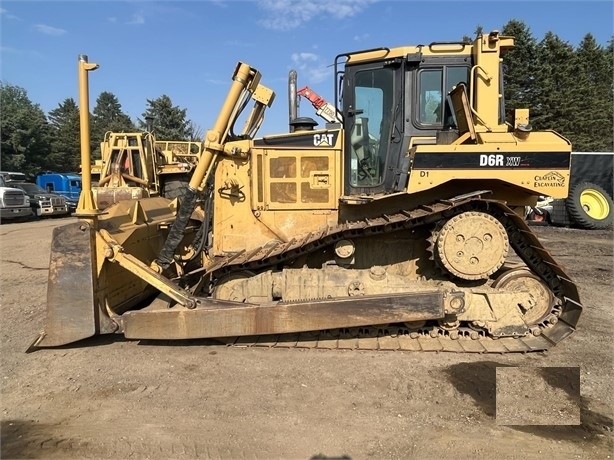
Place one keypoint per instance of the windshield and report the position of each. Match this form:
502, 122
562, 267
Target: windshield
31, 188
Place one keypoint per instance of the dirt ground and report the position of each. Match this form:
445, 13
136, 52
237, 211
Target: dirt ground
108, 397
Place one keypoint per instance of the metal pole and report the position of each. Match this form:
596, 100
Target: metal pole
86, 204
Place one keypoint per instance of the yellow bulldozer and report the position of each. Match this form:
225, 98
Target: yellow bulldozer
400, 226
136, 165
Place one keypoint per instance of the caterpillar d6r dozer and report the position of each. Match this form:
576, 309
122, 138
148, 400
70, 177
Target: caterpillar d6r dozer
399, 227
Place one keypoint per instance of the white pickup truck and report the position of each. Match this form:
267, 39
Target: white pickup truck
14, 203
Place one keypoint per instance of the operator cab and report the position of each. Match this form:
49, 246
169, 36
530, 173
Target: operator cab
390, 105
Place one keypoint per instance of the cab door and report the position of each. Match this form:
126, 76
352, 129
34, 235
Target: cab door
373, 117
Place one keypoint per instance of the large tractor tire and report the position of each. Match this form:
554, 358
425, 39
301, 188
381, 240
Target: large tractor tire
559, 215
175, 187
590, 206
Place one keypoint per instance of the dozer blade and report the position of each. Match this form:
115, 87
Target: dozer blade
70, 290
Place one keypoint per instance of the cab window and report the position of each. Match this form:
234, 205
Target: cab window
433, 92
430, 96
371, 126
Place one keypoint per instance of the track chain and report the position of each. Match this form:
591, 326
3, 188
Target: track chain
559, 324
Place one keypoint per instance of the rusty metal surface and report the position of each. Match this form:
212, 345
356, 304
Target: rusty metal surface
217, 318
107, 196
70, 298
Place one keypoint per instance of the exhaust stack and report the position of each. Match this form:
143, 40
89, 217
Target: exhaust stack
292, 98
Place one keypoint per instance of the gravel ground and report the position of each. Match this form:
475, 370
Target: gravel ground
108, 397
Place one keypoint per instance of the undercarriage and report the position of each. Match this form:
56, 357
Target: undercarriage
465, 276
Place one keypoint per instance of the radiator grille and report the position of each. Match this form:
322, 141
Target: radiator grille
13, 198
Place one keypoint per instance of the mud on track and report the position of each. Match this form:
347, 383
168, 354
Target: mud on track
108, 397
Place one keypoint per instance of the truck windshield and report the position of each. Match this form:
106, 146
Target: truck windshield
31, 188
14, 176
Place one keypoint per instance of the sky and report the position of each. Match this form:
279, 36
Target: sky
188, 50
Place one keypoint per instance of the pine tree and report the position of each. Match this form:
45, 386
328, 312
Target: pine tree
108, 116
197, 132
520, 68
593, 102
169, 122
555, 84
23, 130
65, 153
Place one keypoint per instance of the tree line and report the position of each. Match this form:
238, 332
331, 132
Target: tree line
33, 141
567, 89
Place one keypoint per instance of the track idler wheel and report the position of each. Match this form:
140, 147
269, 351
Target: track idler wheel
472, 245
521, 279
232, 287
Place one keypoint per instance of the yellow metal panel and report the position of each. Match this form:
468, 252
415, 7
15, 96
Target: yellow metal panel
402, 51
300, 179
554, 183
543, 141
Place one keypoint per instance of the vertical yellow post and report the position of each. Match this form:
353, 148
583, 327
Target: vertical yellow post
86, 204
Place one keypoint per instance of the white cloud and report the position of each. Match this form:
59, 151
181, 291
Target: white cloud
290, 14
137, 19
5, 14
310, 67
319, 74
299, 58
48, 30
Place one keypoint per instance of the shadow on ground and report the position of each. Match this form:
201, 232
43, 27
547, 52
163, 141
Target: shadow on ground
24, 439
478, 380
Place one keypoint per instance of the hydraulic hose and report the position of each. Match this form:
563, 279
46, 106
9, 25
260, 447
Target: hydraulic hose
177, 231
200, 241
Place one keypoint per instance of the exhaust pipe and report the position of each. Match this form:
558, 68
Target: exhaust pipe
292, 98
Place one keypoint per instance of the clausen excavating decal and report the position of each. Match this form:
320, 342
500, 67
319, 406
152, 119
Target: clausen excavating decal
551, 179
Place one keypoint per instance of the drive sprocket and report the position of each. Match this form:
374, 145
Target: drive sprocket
472, 245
